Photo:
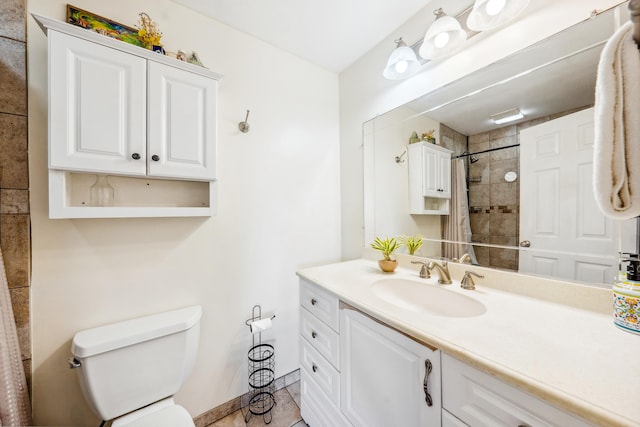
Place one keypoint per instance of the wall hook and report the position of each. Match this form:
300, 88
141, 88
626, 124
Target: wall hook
399, 158
244, 126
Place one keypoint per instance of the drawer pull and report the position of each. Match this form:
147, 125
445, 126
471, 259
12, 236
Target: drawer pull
425, 385
314, 301
314, 368
313, 334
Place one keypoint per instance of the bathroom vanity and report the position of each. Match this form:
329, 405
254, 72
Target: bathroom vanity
382, 349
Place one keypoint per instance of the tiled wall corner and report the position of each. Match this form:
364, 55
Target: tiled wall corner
15, 228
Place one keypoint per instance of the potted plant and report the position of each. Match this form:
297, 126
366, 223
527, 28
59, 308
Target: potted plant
387, 247
413, 243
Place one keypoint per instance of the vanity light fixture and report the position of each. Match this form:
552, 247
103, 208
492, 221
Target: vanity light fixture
507, 116
488, 14
443, 37
403, 62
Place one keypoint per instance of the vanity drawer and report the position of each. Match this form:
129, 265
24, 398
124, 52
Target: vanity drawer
480, 400
325, 375
321, 303
316, 408
320, 336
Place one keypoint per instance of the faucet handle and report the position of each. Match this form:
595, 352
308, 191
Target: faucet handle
425, 273
467, 281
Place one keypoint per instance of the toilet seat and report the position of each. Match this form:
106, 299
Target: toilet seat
164, 413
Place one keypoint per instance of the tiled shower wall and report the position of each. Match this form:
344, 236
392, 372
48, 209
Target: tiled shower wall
494, 203
15, 236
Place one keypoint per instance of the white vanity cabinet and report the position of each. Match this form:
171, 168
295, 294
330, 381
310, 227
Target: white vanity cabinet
429, 178
386, 376
472, 398
119, 110
319, 357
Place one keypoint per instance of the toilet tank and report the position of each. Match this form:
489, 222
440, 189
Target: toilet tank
127, 365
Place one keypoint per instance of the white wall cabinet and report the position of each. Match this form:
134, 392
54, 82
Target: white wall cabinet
383, 376
429, 178
123, 111
471, 397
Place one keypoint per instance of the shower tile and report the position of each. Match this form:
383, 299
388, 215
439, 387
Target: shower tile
14, 241
479, 195
482, 255
505, 153
503, 224
12, 19
24, 340
13, 81
500, 167
504, 194
14, 167
479, 224
14, 201
479, 170
20, 304
479, 138
503, 132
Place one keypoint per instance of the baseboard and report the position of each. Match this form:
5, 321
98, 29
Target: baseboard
231, 406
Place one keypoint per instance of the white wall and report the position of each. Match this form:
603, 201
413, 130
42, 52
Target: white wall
386, 188
278, 212
364, 93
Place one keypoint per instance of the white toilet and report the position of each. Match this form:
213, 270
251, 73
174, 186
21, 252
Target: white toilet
130, 370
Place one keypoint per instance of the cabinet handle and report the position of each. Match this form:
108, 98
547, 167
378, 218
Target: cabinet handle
314, 301
155, 157
314, 368
135, 156
425, 384
313, 334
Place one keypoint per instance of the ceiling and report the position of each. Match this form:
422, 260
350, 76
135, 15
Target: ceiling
330, 33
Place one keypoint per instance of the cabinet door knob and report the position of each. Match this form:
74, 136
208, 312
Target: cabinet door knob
425, 385
313, 334
135, 156
314, 368
155, 157
314, 301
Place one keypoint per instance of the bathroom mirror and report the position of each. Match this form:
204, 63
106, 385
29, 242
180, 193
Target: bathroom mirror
550, 82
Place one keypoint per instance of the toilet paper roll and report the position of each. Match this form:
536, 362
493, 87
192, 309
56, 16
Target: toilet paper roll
260, 325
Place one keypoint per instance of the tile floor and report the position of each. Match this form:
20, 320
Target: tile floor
286, 412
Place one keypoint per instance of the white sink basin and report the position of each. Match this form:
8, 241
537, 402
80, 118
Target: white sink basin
426, 298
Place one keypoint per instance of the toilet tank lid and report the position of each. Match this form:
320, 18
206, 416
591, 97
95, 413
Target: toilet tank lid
122, 334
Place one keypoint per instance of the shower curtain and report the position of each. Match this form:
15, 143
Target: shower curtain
15, 408
455, 226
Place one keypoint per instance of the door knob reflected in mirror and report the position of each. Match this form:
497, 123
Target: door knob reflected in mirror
525, 244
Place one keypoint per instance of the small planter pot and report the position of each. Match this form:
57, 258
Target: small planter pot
388, 266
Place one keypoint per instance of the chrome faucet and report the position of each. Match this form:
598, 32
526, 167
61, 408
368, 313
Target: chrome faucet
467, 281
464, 259
425, 273
443, 270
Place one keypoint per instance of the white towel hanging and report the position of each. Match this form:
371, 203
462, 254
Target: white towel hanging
617, 127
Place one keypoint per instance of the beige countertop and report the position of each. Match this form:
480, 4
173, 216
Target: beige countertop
536, 334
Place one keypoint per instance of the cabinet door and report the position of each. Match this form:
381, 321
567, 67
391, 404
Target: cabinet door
382, 376
182, 124
431, 179
444, 174
97, 102
481, 400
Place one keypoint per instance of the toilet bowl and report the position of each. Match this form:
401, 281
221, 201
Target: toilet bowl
130, 370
